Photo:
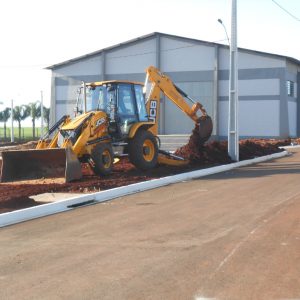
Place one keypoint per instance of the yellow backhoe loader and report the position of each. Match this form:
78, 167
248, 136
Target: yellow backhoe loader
108, 115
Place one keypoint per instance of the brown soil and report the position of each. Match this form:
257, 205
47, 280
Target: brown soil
17, 195
17, 146
216, 152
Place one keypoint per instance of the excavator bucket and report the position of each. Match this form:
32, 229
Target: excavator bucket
204, 128
44, 163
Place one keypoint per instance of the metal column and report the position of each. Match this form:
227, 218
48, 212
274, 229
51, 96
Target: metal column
12, 137
216, 93
298, 104
233, 134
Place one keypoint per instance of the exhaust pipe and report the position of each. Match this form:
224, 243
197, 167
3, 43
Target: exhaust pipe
42, 163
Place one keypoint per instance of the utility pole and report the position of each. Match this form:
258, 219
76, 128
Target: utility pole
42, 115
0, 105
233, 133
12, 138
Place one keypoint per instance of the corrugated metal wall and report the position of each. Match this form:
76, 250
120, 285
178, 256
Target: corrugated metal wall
260, 96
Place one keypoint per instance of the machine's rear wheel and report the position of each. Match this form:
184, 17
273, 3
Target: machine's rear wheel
102, 159
143, 150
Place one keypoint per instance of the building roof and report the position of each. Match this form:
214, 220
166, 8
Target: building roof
154, 34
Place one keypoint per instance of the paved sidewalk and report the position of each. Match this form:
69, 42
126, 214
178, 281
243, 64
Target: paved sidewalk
234, 235
172, 142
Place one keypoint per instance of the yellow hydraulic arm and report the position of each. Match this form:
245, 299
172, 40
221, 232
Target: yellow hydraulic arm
162, 83
43, 143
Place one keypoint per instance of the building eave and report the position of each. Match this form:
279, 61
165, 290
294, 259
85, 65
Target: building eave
154, 34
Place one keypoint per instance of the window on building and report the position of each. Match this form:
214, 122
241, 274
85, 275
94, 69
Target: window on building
290, 88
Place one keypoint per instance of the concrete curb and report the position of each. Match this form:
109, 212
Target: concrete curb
71, 203
289, 147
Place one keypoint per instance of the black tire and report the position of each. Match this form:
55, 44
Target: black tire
143, 150
102, 159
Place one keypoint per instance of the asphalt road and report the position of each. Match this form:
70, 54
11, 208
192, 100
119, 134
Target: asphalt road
234, 235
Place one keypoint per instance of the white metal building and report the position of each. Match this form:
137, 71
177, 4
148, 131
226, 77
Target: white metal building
268, 83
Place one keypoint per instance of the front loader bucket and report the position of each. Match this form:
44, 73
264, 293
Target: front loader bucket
44, 163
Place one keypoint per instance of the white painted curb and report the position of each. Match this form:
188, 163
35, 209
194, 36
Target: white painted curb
68, 204
289, 147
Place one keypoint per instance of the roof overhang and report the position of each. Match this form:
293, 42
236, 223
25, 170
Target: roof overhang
154, 34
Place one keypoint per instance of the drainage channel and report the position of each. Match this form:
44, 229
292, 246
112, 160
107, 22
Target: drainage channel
84, 203
30, 213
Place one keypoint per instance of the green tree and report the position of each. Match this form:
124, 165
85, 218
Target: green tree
20, 114
35, 112
4, 116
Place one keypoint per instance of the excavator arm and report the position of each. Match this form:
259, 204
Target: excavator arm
161, 83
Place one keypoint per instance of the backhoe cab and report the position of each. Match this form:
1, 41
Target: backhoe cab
128, 124
121, 101
109, 115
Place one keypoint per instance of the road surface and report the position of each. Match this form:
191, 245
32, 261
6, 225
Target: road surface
234, 235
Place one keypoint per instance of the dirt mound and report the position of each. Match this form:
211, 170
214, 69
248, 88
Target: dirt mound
294, 142
16, 146
254, 148
216, 152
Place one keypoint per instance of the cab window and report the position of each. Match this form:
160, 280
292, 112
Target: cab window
96, 98
140, 102
126, 100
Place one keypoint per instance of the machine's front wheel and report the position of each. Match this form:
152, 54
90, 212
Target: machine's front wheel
143, 150
102, 159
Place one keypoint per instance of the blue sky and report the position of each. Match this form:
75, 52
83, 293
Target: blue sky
36, 34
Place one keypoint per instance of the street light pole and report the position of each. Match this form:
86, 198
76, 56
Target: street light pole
233, 134
12, 138
221, 22
42, 115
